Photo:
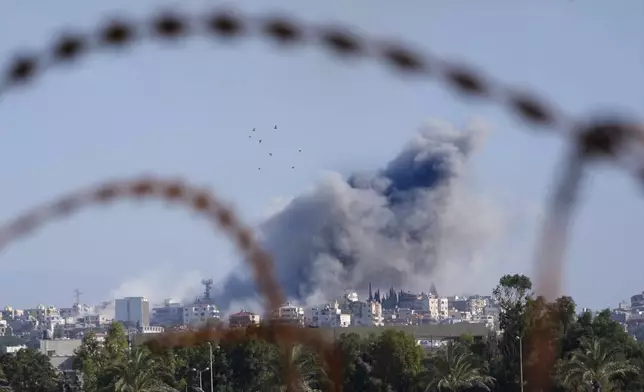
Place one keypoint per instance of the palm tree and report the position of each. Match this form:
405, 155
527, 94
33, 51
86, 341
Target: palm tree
594, 364
455, 368
4, 384
299, 360
140, 373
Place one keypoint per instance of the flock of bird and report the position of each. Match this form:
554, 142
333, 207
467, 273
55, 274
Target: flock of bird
260, 142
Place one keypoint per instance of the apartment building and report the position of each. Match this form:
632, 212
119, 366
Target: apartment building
289, 313
243, 319
328, 316
133, 311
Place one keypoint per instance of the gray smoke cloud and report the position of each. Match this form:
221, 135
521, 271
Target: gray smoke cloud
411, 223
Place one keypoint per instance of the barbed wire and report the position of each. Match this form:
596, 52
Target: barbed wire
591, 139
207, 205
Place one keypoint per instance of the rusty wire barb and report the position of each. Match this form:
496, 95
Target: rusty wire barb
207, 205
611, 140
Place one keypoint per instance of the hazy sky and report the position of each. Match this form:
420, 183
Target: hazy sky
186, 110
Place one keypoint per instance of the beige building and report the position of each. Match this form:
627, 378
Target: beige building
243, 319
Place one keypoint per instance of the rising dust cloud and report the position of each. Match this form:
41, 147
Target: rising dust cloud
414, 222
411, 223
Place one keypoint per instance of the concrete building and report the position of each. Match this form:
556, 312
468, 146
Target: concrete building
363, 313
243, 319
133, 311
328, 316
203, 310
60, 352
168, 315
289, 313
200, 313
637, 303
12, 349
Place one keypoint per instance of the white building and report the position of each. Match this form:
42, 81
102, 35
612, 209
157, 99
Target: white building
200, 313
438, 307
487, 319
133, 310
288, 313
363, 313
328, 316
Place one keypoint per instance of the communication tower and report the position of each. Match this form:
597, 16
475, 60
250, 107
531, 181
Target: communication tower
77, 294
207, 287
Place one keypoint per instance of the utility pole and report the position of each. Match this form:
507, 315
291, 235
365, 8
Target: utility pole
211, 378
521, 360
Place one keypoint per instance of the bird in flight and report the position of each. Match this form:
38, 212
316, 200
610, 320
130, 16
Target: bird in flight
260, 140
275, 127
253, 129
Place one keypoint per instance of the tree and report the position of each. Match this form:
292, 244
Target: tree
356, 363
5, 386
87, 360
29, 371
455, 368
140, 373
397, 359
187, 358
115, 345
249, 360
595, 364
302, 362
512, 294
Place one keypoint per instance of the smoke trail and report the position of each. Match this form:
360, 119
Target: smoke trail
405, 225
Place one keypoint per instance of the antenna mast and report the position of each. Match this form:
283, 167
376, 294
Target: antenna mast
207, 287
77, 295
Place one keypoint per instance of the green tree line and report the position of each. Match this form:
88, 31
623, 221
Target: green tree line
581, 352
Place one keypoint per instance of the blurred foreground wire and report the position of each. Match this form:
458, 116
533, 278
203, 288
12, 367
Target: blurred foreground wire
600, 138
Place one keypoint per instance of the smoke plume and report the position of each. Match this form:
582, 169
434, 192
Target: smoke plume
411, 223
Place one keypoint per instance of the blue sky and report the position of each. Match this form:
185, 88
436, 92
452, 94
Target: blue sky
186, 110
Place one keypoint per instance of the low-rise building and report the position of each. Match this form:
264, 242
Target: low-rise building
328, 316
243, 319
363, 313
290, 314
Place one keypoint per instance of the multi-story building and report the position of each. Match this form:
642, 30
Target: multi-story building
200, 313
168, 315
438, 307
10, 313
328, 316
363, 313
637, 303
203, 310
133, 311
243, 319
289, 313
